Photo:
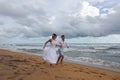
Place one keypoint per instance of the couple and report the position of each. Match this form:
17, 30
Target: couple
50, 53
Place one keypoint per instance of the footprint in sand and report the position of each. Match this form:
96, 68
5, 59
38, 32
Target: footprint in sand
80, 70
82, 79
115, 79
12, 77
44, 62
103, 74
44, 72
87, 72
76, 71
42, 68
69, 77
17, 72
59, 77
37, 65
29, 73
32, 65
94, 72
20, 79
24, 69
100, 76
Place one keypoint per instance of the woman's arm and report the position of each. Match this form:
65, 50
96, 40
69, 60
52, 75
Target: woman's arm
46, 43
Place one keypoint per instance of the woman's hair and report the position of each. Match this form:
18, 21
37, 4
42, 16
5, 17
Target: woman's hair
54, 34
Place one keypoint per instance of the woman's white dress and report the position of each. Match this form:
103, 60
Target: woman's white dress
49, 53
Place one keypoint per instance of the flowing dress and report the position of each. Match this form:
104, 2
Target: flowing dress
49, 53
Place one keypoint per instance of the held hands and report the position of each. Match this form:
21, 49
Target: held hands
67, 46
59, 45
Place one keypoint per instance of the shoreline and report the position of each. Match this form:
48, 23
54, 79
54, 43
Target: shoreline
69, 61
21, 66
95, 66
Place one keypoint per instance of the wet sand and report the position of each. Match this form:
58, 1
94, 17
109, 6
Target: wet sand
20, 66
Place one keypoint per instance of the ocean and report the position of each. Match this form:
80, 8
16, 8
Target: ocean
101, 55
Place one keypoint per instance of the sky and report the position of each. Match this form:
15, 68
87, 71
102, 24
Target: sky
81, 21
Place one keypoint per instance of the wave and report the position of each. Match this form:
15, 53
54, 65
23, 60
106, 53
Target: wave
107, 48
30, 50
85, 60
114, 48
31, 44
88, 60
95, 62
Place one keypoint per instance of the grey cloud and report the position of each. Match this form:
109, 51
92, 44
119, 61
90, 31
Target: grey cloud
91, 26
1, 23
111, 23
11, 11
33, 22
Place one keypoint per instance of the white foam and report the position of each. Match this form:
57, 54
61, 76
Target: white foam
91, 61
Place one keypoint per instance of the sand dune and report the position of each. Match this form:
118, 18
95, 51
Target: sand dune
20, 66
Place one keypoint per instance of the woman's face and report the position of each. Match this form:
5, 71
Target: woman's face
54, 37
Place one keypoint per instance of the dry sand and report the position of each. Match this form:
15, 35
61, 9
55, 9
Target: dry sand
20, 66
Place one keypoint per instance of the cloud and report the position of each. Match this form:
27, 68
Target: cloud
74, 18
8, 8
88, 10
1, 23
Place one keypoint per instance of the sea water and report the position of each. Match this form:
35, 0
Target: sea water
102, 55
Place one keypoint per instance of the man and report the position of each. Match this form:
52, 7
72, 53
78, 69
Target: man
61, 49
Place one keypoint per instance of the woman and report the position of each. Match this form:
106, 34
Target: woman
49, 53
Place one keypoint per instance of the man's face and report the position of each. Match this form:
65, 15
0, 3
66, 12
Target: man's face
63, 38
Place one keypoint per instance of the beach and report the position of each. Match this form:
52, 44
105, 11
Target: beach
20, 66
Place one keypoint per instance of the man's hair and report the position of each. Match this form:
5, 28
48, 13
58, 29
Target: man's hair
62, 35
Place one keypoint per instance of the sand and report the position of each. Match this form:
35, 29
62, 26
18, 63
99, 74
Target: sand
20, 66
